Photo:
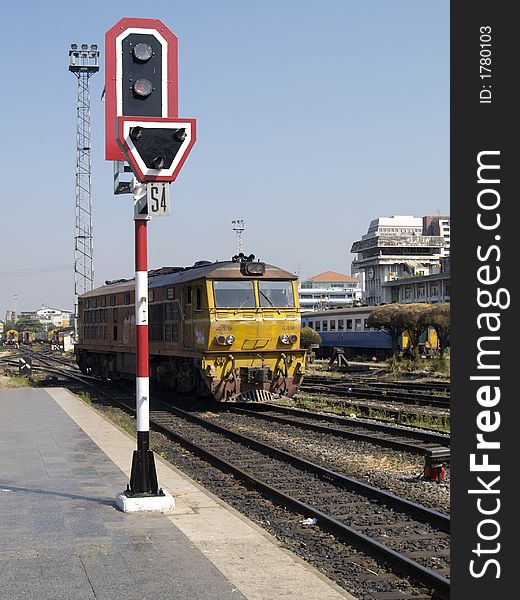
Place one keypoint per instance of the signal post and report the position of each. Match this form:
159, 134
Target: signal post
145, 138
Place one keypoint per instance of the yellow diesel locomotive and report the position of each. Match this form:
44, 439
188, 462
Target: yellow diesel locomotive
11, 337
228, 329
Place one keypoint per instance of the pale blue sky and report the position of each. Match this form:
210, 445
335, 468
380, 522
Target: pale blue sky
313, 117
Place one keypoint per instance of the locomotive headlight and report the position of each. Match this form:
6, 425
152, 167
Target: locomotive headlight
284, 338
293, 338
222, 340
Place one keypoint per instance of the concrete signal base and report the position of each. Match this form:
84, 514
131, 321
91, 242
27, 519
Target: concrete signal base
164, 503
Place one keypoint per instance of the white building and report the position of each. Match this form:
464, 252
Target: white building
428, 288
328, 290
394, 248
438, 225
54, 316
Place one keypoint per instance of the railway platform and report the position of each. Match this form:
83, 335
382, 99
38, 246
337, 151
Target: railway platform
62, 538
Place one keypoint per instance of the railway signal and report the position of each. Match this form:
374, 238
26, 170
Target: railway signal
140, 75
25, 366
143, 128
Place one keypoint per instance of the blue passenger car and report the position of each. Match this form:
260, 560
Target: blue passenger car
347, 328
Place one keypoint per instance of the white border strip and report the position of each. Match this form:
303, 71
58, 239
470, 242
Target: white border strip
119, 67
157, 125
141, 295
142, 403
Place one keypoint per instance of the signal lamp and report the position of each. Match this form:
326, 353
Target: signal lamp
180, 135
142, 52
293, 338
158, 162
136, 133
142, 88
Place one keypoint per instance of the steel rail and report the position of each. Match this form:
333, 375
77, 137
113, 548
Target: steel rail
409, 445
353, 392
429, 515
370, 382
344, 532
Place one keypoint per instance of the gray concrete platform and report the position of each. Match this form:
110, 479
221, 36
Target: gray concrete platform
61, 537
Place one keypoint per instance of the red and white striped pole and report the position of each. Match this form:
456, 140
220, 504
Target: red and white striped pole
143, 480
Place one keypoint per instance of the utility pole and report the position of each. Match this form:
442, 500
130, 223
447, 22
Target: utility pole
83, 62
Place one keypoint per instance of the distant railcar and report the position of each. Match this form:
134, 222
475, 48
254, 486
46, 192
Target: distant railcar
229, 329
348, 328
42, 336
26, 337
12, 337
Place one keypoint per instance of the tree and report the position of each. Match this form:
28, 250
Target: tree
416, 321
438, 316
308, 337
28, 324
390, 319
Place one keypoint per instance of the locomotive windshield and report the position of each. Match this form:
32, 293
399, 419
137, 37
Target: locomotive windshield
234, 294
276, 293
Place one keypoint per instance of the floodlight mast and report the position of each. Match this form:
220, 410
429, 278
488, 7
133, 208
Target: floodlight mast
238, 227
83, 62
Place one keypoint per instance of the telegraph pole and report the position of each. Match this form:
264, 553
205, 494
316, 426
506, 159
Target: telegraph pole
83, 62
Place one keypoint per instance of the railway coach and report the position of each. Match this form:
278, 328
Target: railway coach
348, 328
228, 329
26, 337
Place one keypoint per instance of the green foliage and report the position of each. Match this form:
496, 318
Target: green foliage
388, 318
415, 318
308, 337
29, 324
21, 381
86, 397
395, 319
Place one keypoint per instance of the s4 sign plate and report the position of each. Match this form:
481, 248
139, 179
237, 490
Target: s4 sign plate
158, 199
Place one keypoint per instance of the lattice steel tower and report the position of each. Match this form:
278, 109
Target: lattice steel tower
238, 228
83, 62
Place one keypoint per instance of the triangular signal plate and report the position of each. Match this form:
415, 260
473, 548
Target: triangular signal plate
155, 147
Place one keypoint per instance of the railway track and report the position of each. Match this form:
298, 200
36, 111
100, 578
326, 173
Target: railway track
353, 511
404, 439
440, 386
411, 538
347, 390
